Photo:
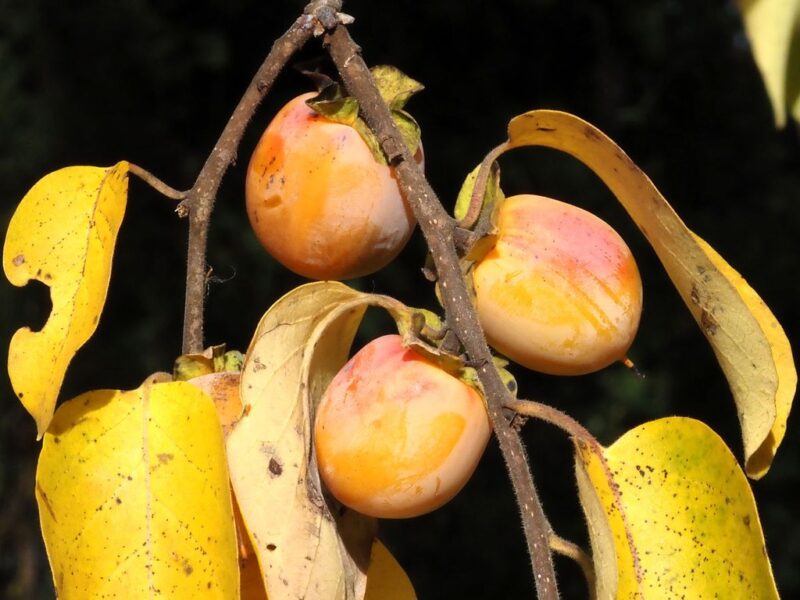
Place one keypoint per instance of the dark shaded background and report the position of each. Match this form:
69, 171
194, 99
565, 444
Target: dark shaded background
154, 82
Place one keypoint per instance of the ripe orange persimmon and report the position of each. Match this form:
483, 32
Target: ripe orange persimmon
560, 292
395, 435
319, 201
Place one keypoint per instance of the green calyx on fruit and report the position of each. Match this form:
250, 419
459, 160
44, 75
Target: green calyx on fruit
214, 359
395, 87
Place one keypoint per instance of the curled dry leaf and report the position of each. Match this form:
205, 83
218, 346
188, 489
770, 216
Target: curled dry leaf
749, 343
299, 345
62, 234
671, 514
133, 496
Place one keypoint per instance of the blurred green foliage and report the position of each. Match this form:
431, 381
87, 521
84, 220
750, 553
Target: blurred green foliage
154, 82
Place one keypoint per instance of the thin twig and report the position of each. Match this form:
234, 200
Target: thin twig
200, 199
543, 412
438, 227
155, 183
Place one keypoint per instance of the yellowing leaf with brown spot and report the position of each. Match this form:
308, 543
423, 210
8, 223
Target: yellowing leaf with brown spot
386, 579
671, 515
62, 234
771, 27
748, 341
300, 344
133, 496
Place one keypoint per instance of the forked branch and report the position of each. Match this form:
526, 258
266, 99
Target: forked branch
200, 199
437, 226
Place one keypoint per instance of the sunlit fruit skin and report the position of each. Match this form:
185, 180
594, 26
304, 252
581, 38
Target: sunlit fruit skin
319, 202
395, 435
560, 292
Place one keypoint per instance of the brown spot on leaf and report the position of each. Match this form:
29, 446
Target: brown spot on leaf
45, 501
258, 365
695, 295
275, 467
708, 323
164, 458
19, 259
746, 521
271, 547
591, 133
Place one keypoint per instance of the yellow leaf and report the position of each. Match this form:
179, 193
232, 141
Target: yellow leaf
749, 343
386, 579
299, 345
269, 450
771, 27
759, 457
133, 496
671, 515
62, 234
251, 581
223, 389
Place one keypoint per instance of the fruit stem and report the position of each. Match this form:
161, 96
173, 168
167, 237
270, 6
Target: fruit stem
438, 228
199, 201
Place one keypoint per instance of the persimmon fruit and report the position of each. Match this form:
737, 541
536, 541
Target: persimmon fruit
395, 435
560, 292
319, 201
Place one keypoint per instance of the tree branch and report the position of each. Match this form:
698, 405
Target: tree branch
200, 199
438, 228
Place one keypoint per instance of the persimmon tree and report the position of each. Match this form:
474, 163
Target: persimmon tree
204, 481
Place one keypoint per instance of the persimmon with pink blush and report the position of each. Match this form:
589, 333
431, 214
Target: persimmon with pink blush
319, 201
560, 292
395, 435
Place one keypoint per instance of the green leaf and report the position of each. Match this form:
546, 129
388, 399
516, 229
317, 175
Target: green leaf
671, 515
